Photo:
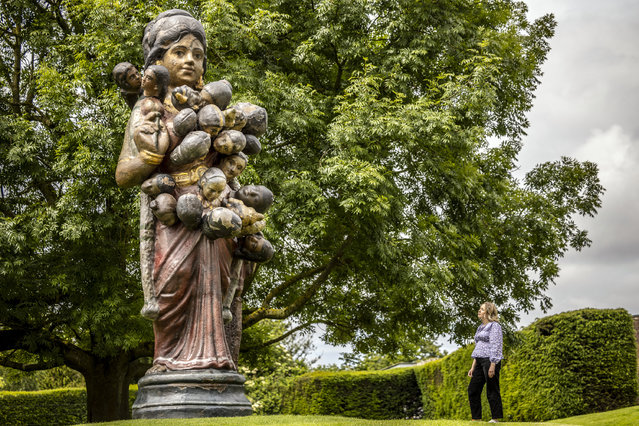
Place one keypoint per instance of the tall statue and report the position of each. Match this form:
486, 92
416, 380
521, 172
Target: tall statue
200, 232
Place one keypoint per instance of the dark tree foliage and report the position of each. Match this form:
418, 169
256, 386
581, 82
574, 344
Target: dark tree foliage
393, 137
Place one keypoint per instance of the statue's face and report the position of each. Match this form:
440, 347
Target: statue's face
185, 61
150, 84
132, 80
213, 187
253, 243
233, 166
250, 195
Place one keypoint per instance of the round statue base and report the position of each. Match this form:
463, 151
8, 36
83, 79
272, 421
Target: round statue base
191, 393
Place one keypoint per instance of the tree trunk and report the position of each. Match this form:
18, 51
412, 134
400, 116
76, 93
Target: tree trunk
108, 389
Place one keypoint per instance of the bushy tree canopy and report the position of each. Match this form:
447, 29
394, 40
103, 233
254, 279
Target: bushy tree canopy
393, 137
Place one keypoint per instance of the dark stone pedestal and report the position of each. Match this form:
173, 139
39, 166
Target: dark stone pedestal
191, 393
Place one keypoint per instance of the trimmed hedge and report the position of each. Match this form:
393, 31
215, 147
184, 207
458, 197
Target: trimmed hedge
572, 363
54, 407
577, 362
48, 407
388, 394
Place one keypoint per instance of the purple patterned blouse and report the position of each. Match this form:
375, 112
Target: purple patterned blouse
488, 342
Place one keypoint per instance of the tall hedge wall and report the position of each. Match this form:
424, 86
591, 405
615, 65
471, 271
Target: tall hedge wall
572, 363
567, 364
390, 394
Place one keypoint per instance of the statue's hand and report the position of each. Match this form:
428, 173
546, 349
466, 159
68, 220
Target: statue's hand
151, 134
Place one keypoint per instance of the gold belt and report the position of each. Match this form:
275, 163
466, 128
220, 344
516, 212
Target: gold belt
190, 177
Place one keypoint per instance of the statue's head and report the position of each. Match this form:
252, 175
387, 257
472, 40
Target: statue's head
212, 183
233, 165
255, 248
155, 81
127, 77
257, 196
177, 41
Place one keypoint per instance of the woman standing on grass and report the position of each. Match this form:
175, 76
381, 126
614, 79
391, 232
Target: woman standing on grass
487, 358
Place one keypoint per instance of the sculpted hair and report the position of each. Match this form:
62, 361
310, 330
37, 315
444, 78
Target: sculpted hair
491, 311
168, 28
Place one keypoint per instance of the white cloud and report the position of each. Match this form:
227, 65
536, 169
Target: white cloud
615, 152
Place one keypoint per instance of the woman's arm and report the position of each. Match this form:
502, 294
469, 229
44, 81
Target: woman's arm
496, 346
472, 368
145, 142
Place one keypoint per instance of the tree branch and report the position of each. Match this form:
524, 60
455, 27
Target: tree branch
30, 367
286, 284
280, 338
10, 339
289, 332
264, 312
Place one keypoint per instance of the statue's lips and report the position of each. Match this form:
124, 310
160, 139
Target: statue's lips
187, 70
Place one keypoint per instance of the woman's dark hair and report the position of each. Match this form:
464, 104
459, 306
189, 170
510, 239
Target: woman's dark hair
161, 78
168, 28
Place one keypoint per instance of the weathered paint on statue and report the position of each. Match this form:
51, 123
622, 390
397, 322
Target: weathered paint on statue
199, 231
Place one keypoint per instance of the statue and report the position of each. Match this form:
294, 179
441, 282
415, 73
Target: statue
200, 232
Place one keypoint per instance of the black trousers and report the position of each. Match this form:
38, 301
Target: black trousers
476, 385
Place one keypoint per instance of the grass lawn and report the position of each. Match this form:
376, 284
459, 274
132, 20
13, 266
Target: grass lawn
622, 417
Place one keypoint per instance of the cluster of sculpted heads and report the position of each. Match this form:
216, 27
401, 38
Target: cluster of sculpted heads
174, 46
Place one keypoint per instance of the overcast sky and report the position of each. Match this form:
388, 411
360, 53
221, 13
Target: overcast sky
587, 107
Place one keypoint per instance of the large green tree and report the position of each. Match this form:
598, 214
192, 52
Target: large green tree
393, 138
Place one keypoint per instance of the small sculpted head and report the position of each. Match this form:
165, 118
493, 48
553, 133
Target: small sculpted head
212, 183
158, 184
127, 77
256, 248
230, 142
155, 82
257, 196
163, 208
233, 165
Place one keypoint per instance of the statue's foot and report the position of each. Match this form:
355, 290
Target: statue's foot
157, 368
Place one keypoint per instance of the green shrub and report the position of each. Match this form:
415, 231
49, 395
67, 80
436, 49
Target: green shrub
389, 394
572, 363
52, 407
266, 391
49, 407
